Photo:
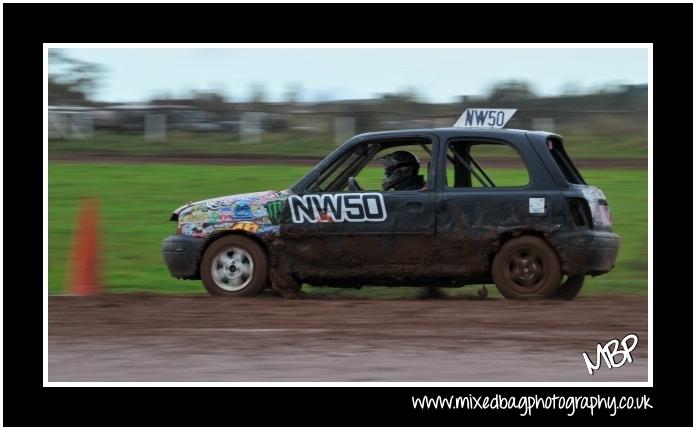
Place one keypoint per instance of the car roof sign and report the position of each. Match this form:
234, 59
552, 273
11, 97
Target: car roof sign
485, 117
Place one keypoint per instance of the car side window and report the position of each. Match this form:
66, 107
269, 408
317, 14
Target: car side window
391, 165
390, 171
484, 164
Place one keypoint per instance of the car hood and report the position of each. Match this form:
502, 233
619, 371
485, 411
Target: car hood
255, 213
215, 202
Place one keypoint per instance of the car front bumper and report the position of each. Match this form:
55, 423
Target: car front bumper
587, 252
182, 254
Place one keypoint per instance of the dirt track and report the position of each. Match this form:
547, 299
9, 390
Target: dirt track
200, 338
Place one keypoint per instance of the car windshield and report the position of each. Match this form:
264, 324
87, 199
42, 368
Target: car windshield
335, 176
309, 176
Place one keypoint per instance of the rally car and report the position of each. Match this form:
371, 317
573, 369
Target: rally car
535, 231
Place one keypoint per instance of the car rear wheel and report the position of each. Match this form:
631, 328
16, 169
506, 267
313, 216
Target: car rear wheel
526, 267
234, 266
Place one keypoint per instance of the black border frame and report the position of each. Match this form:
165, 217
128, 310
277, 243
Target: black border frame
27, 26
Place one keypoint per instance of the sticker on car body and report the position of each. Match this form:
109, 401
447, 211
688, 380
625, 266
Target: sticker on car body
353, 207
537, 205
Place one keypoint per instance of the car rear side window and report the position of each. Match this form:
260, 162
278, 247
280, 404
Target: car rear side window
475, 164
563, 162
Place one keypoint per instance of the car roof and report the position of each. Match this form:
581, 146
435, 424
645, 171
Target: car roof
449, 132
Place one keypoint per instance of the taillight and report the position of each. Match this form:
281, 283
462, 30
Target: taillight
601, 215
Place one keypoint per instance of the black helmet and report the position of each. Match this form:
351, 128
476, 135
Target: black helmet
399, 167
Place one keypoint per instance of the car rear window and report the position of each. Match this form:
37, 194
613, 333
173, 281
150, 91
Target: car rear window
563, 162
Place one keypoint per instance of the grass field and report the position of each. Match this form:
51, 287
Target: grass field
136, 201
585, 146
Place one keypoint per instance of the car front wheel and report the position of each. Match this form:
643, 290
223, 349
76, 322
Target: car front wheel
526, 267
234, 266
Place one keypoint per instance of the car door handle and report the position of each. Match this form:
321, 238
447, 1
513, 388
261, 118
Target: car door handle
414, 207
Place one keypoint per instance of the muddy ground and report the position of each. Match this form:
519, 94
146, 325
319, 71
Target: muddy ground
137, 337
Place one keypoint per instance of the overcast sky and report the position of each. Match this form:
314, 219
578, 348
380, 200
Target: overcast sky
437, 75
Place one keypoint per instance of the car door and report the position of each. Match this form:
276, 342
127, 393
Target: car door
470, 218
359, 235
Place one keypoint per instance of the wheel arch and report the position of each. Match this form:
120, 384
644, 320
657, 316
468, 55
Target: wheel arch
507, 235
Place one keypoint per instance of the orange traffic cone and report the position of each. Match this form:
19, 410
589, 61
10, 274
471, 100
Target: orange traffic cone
84, 265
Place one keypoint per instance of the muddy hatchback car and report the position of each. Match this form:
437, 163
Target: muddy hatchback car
480, 205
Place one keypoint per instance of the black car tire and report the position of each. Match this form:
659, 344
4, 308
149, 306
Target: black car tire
570, 288
234, 266
526, 267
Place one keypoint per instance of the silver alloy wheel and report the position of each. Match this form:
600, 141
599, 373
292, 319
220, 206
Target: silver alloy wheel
232, 269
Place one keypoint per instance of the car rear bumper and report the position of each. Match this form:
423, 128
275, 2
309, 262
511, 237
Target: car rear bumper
588, 252
182, 253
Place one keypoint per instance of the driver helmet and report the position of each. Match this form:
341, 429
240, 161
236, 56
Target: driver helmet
400, 167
